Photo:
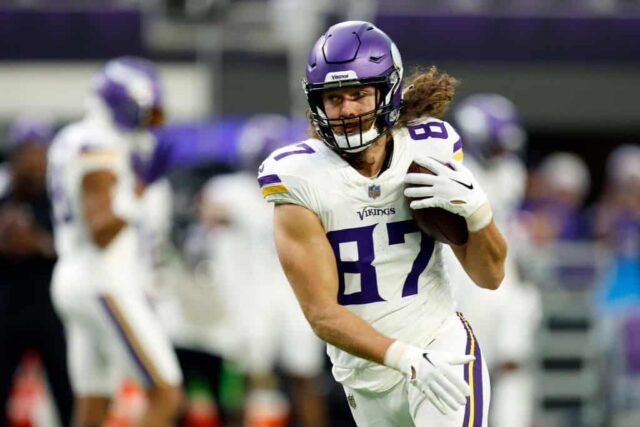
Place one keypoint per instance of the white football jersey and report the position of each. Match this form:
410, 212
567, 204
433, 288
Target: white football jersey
389, 273
267, 320
78, 149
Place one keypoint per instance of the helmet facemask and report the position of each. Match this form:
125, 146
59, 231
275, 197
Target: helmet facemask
355, 133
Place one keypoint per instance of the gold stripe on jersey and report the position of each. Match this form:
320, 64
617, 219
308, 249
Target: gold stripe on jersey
133, 341
274, 189
101, 153
458, 155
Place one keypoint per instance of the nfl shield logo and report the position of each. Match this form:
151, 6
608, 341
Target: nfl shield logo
374, 191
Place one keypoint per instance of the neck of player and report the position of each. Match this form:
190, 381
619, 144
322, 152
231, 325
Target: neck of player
370, 162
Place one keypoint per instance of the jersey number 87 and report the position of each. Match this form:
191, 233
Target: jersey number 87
363, 237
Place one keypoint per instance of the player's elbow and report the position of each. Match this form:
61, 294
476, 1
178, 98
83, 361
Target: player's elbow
321, 322
494, 280
103, 232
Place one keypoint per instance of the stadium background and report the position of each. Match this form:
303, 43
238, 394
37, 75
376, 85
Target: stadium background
572, 68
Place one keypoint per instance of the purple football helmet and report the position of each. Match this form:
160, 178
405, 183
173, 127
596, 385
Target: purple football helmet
489, 125
130, 88
351, 54
259, 136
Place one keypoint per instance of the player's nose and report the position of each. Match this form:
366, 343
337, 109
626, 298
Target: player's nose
348, 108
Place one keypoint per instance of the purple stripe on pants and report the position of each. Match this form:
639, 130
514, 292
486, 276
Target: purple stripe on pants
477, 385
146, 374
477, 379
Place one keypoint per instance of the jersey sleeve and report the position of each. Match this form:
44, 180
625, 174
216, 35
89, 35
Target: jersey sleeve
98, 158
435, 138
457, 152
80, 151
286, 180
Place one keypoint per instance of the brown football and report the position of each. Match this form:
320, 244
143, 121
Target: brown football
438, 223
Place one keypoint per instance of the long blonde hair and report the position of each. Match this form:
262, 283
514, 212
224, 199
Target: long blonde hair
428, 93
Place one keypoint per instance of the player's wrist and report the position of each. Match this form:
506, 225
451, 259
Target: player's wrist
480, 218
398, 357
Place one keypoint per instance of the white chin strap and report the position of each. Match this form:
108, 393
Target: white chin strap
366, 137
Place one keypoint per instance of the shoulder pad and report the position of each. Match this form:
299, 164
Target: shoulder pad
287, 175
434, 137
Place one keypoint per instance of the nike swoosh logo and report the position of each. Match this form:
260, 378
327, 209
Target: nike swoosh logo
469, 186
426, 357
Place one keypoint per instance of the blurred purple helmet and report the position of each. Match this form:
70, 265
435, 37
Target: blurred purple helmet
130, 88
29, 129
489, 125
259, 136
354, 53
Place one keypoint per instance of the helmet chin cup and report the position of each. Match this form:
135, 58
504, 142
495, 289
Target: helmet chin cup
345, 143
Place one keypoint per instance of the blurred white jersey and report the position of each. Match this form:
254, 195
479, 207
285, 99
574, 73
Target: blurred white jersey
154, 229
78, 149
504, 182
389, 273
99, 292
245, 264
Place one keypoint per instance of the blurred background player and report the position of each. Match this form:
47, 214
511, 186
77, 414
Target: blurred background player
271, 328
99, 282
505, 321
617, 226
27, 317
190, 308
554, 207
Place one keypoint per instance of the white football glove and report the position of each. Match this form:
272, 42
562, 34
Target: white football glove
433, 373
453, 188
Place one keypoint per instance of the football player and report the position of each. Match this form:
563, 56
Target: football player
505, 321
369, 282
99, 278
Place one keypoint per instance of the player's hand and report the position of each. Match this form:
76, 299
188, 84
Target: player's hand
453, 188
433, 373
